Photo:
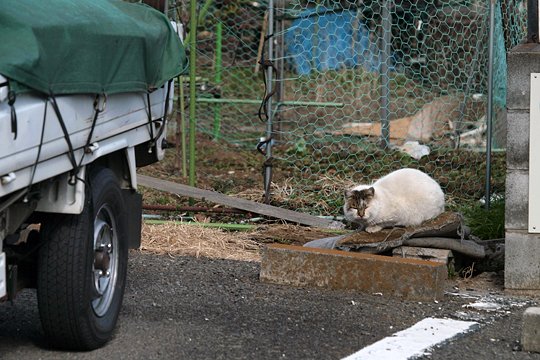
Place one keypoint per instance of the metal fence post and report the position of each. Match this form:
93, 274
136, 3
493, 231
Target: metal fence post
192, 90
532, 21
269, 125
384, 72
489, 111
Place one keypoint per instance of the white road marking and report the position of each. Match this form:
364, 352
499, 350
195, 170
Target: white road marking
413, 341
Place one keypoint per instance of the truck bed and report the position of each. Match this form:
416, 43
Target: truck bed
123, 124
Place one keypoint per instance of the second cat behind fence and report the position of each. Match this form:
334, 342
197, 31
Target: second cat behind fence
405, 197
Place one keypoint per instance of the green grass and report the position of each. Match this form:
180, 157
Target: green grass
486, 224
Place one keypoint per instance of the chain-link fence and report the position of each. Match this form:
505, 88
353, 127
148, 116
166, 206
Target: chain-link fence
343, 92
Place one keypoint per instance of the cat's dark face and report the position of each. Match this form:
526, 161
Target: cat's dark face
359, 200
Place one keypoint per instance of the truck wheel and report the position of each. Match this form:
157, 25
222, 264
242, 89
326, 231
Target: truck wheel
82, 268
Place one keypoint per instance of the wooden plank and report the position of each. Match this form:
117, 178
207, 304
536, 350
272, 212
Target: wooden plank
242, 204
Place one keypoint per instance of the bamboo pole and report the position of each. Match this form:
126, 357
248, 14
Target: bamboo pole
261, 42
192, 90
217, 79
183, 129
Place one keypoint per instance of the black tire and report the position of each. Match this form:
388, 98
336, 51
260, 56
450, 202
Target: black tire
78, 306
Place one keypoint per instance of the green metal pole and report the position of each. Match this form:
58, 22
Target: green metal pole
224, 226
217, 79
192, 92
202, 15
258, 102
183, 129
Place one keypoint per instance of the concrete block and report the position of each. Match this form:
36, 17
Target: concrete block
499, 128
530, 333
517, 200
517, 140
522, 260
522, 60
406, 278
437, 255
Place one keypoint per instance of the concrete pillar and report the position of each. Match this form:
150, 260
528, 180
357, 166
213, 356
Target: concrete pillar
522, 249
530, 334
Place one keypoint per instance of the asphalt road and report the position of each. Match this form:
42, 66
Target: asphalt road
188, 308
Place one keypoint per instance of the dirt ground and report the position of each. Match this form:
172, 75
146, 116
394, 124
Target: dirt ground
230, 171
315, 181
237, 172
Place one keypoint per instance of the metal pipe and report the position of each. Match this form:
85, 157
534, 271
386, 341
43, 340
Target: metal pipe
489, 111
180, 128
281, 64
384, 72
269, 125
192, 209
258, 102
200, 18
217, 79
237, 227
532, 21
192, 90
183, 129
300, 14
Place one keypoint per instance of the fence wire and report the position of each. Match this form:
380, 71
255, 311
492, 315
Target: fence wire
361, 88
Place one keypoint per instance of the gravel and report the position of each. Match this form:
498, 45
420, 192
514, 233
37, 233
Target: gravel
198, 308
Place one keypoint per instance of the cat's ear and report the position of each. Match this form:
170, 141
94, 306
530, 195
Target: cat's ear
370, 192
347, 193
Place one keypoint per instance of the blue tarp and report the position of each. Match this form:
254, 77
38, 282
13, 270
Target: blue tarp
323, 39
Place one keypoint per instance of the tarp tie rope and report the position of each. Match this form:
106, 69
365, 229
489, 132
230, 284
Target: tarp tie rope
11, 102
164, 118
261, 146
71, 152
40, 146
150, 124
97, 111
263, 111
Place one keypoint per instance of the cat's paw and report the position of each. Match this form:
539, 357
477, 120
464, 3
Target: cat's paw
373, 229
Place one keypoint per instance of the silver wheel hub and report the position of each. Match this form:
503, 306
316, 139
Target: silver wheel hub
105, 265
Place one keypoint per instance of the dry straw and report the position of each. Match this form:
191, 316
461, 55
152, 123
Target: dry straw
189, 240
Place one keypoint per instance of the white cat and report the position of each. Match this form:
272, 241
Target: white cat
405, 197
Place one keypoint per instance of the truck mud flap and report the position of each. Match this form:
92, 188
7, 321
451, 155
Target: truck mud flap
133, 203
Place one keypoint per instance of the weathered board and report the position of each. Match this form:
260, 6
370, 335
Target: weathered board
243, 204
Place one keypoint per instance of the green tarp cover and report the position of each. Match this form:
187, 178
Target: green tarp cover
87, 46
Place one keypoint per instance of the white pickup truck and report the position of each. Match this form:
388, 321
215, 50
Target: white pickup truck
69, 149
